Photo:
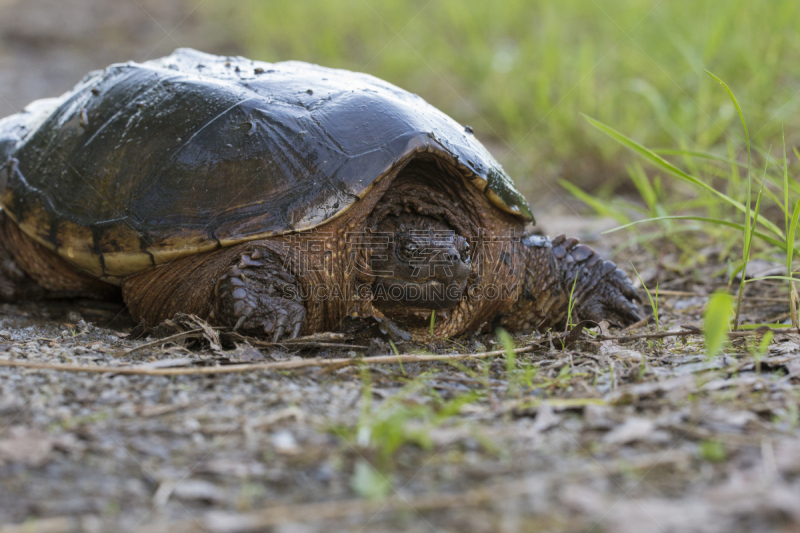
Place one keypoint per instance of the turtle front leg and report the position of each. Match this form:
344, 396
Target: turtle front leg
561, 270
257, 295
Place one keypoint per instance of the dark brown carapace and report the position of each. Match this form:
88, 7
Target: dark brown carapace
243, 197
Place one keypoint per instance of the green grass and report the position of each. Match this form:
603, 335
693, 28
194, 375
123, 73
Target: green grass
759, 350
521, 72
715, 195
653, 301
716, 322
402, 420
713, 451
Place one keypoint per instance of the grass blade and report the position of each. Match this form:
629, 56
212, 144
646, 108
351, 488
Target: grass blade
696, 154
791, 235
785, 183
653, 303
602, 208
786, 278
739, 110
748, 242
645, 188
668, 167
791, 228
718, 221
716, 322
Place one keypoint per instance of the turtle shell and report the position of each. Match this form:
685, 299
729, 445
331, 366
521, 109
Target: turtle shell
142, 163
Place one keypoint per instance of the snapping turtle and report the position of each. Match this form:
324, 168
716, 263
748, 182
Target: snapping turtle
278, 199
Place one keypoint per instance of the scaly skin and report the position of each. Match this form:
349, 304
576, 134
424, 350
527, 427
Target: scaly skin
254, 296
562, 269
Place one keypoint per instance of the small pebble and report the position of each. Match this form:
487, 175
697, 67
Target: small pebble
284, 442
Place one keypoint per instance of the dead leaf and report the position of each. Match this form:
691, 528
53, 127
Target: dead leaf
245, 353
598, 416
575, 333
787, 456
757, 268
739, 381
285, 443
231, 467
198, 490
781, 348
793, 368
289, 413
640, 390
146, 411
631, 430
167, 363
21, 444
724, 420
545, 418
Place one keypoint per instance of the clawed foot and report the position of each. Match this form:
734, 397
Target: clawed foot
613, 299
602, 291
254, 296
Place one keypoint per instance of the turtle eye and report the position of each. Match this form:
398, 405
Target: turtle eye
410, 250
465, 252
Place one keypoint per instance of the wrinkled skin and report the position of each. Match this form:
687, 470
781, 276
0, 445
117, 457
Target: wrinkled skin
425, 264
598, 289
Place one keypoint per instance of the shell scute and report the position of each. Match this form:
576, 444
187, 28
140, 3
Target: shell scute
143, 163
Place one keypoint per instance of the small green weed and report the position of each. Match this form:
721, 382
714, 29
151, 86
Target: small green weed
716, 322
520, 374
369, 483
653, 301
713, 451
571, 306
402, 419
759, 351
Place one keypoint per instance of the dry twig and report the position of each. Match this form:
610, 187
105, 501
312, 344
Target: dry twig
160, 342
341, 362
277, 365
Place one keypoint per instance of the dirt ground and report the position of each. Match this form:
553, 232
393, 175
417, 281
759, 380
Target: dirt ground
635, 435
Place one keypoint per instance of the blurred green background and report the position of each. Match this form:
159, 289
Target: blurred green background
519, 72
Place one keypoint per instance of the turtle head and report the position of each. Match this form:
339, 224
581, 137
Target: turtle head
424, 264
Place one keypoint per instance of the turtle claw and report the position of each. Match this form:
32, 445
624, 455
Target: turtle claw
602, 291
610, 303
296, 330
251, 301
